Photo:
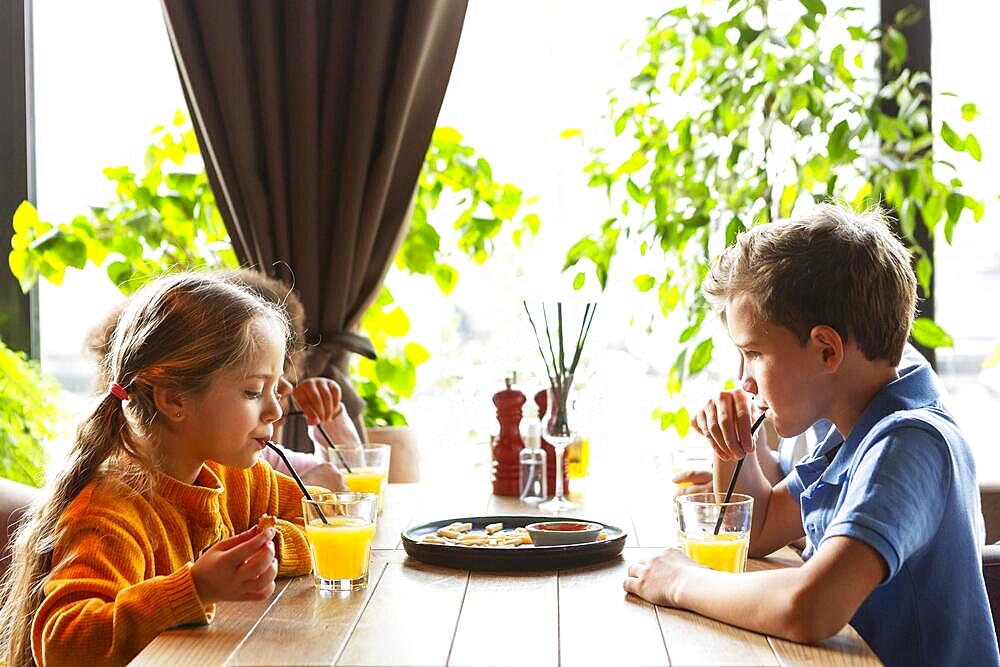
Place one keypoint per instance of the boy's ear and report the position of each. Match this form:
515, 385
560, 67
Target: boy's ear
169, 403
830, 345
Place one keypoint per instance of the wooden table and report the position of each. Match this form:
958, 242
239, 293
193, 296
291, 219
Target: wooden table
416, 614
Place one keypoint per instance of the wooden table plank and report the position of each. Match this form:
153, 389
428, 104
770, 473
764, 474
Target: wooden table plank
508, 620
694, 640
600, 624
211, 644
305, 626
410, 619
845, 649
401, 501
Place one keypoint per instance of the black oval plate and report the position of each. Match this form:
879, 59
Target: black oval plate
522, 559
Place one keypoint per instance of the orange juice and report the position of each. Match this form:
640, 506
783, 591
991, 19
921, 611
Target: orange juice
579, 457
367, 480
726, 552
340, 549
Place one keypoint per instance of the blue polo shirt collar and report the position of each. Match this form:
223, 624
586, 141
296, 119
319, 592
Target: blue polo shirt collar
914, 388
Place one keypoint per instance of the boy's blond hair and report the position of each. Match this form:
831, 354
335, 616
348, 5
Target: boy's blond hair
833, 267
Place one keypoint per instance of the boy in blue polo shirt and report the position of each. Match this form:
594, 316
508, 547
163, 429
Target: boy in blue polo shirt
820, 309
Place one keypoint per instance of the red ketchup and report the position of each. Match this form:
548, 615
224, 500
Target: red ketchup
564, 526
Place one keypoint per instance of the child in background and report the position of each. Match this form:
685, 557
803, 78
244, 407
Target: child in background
820, 310
318, 398
152, 520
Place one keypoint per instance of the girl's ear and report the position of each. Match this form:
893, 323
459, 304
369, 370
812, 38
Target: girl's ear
830, 346
169, 403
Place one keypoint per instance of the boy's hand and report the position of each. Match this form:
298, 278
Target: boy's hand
658, 579
698, 481
319, 399
725, 422
242, 567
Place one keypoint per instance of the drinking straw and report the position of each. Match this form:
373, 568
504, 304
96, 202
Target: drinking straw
298, 480
736, 473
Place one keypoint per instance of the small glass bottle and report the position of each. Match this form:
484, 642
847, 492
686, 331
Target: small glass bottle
532, 464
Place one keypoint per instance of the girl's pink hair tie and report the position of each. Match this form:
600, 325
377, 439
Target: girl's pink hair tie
118, 391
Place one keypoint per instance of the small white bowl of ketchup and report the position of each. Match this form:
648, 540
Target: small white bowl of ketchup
559, 533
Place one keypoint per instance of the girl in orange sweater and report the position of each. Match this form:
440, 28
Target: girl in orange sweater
152, 521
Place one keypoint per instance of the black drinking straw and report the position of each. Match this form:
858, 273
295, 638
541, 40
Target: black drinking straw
736, 473
298, 480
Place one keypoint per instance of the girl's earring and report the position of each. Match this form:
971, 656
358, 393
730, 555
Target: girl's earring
178, 415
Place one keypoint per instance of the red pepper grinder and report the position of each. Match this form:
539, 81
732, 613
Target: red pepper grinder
542, 401
508, 444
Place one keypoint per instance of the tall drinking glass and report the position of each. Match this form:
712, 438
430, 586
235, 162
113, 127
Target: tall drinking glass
340, 528
365, 469
556, 428
725, 549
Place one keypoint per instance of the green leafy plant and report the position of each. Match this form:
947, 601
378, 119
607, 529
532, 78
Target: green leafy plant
736, 119
453, 171
166, 219
29, 416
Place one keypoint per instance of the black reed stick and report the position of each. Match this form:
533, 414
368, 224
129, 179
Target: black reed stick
736, 473
298, 480
539, 342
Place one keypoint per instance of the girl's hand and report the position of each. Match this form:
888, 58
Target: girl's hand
242, 567
319, 399
698, 481
659, 579
725, 422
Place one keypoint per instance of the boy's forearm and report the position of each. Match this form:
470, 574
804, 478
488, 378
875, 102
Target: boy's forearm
764, 602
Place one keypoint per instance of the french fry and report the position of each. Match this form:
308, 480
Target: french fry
601, 536
463, 527
493, 527
434, 539
446, 532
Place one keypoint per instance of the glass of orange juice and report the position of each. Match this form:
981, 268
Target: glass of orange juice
340, 528
365, 469
698, 515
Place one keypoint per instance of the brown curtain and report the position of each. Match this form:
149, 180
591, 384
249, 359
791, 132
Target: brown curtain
314, 117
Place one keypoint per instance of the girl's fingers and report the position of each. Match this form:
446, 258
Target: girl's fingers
237, 539
240, 553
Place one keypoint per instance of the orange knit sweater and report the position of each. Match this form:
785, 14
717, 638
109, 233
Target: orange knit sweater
121, 570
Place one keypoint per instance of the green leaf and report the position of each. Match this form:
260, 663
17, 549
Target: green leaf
571, 132
788, 196
924, 271
702, 355
972, 146
814, 6
644, 283
907, 16
969, 111
416, 353
951, 137
578, 280
954, 205
837, 144
446, 278
894, 44
636, 162
532, 222
682, 422
25, 218
929, 334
